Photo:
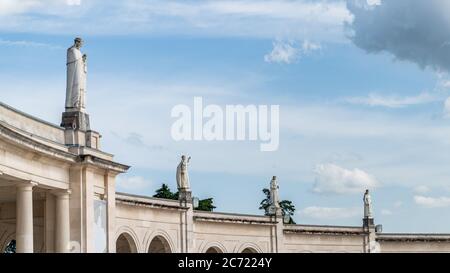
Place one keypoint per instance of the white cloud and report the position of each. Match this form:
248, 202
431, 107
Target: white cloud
15, 7
393, 101
289, 52
73, 2
282, 53
25, 43
386, 212
257, 18
421, 189
443, 80
415, 31
325, 213
41, 7
447, 108
308, 47
331, 178
132, 184
430, 202
398, 204
374, 2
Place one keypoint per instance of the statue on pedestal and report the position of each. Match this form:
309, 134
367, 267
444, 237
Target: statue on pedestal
76, 77
274, 199
182, 174
367, 205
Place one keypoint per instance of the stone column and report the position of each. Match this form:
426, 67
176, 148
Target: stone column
50, 218
111, 214
187, 221
62, 228
24, 218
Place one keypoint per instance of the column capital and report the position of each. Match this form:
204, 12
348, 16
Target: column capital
29, 183
61, 192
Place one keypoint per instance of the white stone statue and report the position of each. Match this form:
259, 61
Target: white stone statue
182, 174
76, 77
274, 199
367, 205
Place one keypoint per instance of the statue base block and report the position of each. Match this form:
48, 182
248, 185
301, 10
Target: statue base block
185, 196
75, 120
275, 210
368, 222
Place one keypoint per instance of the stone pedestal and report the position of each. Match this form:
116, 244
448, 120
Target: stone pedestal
75, 120
185, 196
275, 210
187, 216
368, 222
370, 243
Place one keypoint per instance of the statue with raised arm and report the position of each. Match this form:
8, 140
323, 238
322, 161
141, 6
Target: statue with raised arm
182, 174
274, 199
76, 77
367, 205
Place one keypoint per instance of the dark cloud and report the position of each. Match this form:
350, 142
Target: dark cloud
413, 30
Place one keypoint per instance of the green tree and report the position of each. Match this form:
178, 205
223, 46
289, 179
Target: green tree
265, 203
165, 193
287, 207
206, 205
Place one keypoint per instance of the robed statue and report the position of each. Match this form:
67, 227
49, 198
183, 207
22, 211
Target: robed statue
76, 77
182, 174
274, 199
367, 205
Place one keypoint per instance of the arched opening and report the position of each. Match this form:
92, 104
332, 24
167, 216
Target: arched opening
159, 245
213, 249
249, 250
125, 244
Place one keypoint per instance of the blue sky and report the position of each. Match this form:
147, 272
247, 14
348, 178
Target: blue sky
363, 96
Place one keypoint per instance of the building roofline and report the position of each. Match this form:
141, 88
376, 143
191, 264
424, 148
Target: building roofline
25, 141
30, 116
21, 140
324, 230
230, 213
319, 226
222, 217
413, 237
140, 200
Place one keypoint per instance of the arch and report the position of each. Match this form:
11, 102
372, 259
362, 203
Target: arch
213, 247
249, 248
126, 240
6, 241
125, 244
163, 237
159, 244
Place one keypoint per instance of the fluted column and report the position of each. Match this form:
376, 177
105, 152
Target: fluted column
24, 218
62, 228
